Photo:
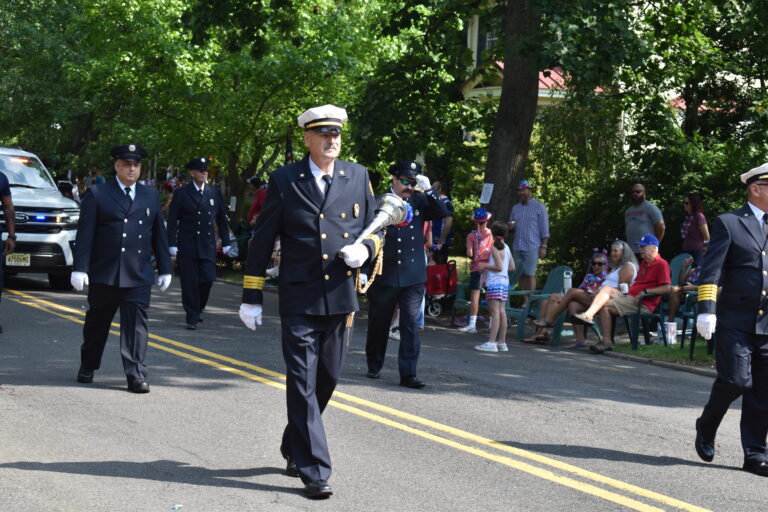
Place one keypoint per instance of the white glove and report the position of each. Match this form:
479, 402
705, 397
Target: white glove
164, 281
174, 251
363, 279
354, 255
273, 272
226, 249
250, 314
78, 280
705, 324
423, 182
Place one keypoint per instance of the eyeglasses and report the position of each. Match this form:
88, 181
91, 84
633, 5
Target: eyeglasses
637, 191
598, 263
407, 182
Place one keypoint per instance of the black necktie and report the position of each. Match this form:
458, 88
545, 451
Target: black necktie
765, 224
128, 195
327, 179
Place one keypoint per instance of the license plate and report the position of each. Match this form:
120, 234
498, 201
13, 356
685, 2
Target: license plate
18, 260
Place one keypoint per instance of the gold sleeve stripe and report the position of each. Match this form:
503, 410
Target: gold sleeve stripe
708, 292
376, 243
253, 283
370, 187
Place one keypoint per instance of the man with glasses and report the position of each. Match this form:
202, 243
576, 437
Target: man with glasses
403, 276
737, 260
196, 211
317, 206
641, 218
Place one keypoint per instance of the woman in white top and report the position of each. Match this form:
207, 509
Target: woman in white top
497, 289
622, 268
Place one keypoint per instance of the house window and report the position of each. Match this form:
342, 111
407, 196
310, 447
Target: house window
488, 37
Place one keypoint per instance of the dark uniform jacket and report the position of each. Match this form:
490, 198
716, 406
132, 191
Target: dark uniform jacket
116, 238
737, 260
192, 221
312, 228
404, 260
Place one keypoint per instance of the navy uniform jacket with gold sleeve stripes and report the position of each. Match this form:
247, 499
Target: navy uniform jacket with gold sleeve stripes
312, 227
737, 260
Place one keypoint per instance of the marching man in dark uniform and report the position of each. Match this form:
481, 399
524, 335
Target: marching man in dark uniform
737, 260
317, 206
403, 277
120, 228
196, 210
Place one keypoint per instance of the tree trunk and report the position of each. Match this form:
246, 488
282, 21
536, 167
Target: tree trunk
511, 139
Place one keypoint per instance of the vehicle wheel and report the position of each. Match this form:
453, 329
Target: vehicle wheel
434, 309
60, 281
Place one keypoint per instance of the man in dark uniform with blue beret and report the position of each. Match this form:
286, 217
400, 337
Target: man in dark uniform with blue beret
737, 260
120, 228
403, 277
318, 207
196, 210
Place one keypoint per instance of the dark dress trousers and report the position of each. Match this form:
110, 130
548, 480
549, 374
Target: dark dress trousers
192, 221
402, 282
316, 292
737, 260
116, 239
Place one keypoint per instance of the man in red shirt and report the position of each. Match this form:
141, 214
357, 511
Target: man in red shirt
652, 278
259, 196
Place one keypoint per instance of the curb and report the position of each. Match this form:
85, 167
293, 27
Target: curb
704, 372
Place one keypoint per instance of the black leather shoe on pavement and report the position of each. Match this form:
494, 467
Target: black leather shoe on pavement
191, 327
373, 375
411, 382
318, 489
84, 376
138, 386
705, 449
291, 469
758, 467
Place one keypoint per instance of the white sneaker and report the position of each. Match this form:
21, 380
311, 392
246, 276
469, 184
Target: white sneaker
488, 346
394, 334
466, 328
502, 347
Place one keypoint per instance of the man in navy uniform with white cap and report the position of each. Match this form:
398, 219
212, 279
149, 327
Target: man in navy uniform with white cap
403, 276
737, 260
318, 207
120, 228
196, 211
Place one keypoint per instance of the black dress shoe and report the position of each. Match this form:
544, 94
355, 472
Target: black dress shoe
84, 376
291, 469
705, 448
758, 467
411, 382
373, 375
318, 489
138, 386
191, 327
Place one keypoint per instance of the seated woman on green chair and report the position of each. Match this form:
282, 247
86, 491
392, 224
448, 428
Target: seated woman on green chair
621, 268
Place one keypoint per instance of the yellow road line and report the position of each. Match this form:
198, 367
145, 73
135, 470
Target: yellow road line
522, 466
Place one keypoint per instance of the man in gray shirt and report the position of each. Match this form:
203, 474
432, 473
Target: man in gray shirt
642, 218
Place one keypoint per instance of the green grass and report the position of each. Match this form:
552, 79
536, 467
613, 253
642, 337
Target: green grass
672, 353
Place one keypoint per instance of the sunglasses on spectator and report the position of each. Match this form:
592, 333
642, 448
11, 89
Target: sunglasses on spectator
407, 182
598, 263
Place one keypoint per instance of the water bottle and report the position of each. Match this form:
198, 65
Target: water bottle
567, 280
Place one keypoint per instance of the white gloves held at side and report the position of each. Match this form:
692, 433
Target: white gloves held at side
250, 314
164, 281
423, 182
705, 324
354, 255
174, 251
78, 280
363, 279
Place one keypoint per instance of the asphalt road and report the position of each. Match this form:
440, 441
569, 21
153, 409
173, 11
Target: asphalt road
532, 429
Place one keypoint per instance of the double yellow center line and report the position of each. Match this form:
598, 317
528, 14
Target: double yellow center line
482, 447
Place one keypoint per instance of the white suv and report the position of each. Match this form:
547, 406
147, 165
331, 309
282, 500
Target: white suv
46, 221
